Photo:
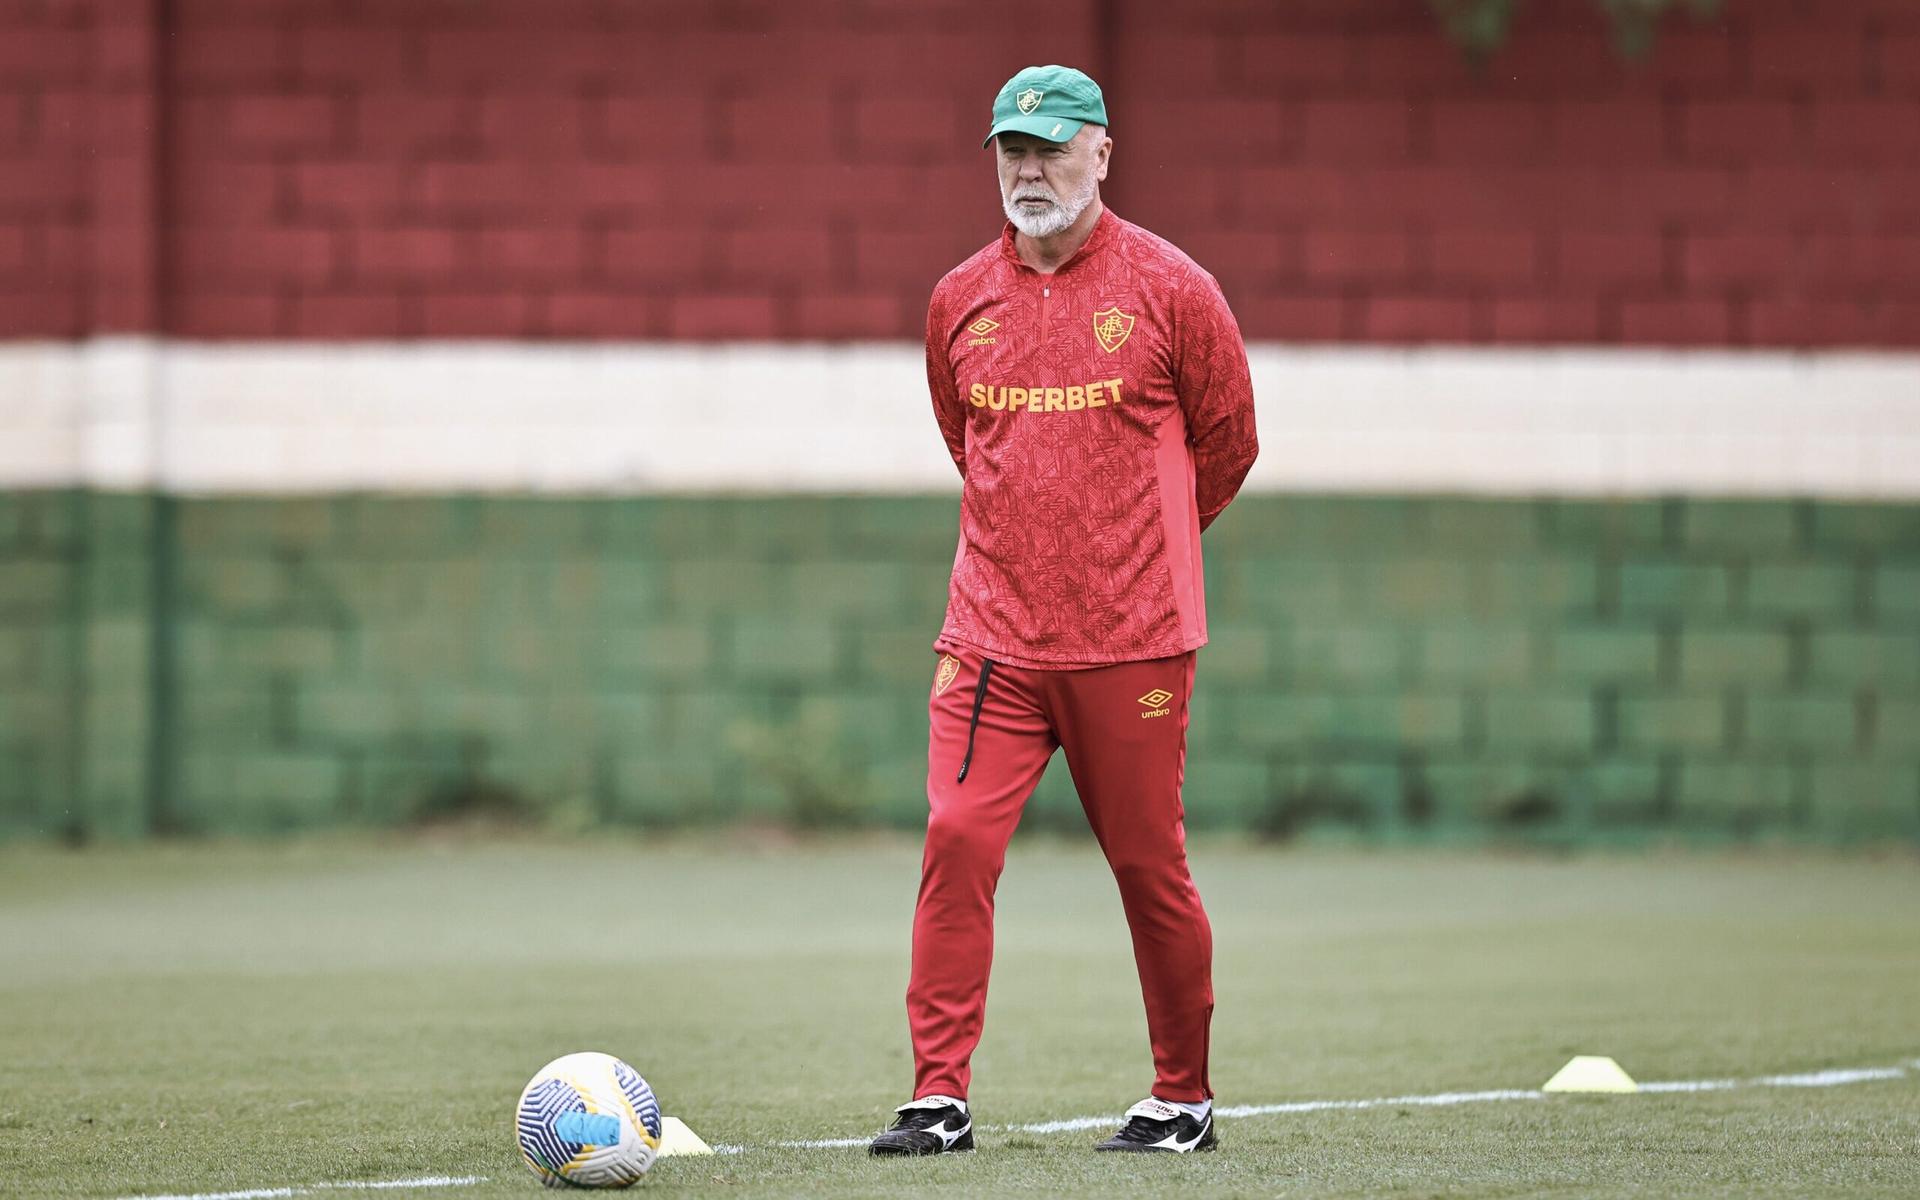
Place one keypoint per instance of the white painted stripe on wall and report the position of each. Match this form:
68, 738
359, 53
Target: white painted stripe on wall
594, 418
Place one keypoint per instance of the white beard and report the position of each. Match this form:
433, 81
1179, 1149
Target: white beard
1056, 217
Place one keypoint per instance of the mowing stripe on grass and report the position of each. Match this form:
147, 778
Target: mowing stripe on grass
1833, 1077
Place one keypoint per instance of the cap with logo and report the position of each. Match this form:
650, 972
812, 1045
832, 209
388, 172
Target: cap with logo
1050, 102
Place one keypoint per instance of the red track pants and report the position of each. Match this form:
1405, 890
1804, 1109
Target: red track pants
1124, 729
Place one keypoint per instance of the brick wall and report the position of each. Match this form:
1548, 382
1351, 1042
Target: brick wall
80, 100
1408, 668
595, 169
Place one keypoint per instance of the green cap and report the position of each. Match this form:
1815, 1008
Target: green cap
1050, 102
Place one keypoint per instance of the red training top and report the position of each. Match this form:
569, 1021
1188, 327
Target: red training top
1101, 417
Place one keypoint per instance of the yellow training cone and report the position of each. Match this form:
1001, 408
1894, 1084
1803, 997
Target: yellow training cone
677, 1139
1591, 1073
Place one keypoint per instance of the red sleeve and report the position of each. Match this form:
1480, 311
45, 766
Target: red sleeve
1216, 393
948, 409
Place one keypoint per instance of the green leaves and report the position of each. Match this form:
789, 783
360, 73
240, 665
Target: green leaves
1482, 26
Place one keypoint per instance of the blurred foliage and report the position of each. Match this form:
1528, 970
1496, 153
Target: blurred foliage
1319, 804
1482, 26
819, 780
472, 795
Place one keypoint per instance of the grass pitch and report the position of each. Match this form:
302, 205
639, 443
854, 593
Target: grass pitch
206, 1018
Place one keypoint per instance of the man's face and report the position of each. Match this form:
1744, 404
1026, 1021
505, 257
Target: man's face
1045, 186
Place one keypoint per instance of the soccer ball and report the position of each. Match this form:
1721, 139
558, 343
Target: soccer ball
588, 1120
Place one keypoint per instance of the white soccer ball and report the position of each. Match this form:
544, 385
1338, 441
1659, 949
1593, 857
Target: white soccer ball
588, 1120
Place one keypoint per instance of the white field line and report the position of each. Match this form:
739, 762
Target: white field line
1837, 1077
1831, 1078
308, 1189
1834, 1077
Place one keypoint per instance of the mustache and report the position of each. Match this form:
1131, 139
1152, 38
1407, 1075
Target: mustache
1029, 194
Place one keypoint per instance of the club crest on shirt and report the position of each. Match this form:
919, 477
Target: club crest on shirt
944, 675
1111, 328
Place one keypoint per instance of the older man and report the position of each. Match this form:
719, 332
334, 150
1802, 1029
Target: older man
1092, 388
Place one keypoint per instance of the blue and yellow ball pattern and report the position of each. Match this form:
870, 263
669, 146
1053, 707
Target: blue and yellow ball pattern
588, 1120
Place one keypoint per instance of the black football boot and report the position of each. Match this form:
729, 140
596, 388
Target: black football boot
932, 1125
1154, 1126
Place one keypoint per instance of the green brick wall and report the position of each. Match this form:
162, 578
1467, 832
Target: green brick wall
1401, 668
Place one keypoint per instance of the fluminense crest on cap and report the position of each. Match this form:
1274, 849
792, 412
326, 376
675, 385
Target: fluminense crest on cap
1050, 102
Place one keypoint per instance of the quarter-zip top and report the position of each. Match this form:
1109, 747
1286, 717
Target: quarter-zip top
1100, 416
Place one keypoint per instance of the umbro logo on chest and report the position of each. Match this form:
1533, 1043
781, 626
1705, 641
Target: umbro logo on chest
1112, 326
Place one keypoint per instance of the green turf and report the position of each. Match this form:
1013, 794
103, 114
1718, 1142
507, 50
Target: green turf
199, 1018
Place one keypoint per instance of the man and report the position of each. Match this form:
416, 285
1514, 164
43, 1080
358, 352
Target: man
1092, 388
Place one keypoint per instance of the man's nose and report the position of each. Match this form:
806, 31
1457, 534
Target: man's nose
1030, 168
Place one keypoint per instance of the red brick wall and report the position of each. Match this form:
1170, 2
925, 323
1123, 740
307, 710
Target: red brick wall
779, 168
79, 169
